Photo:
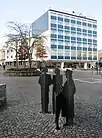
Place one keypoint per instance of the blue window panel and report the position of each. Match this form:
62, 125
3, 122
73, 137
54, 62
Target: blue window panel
54, 29
53, 25
67, 31
94, 32
84, 30
66, 40
78, 33
67, 47
78, 22
60, 47
60, 57
94, 58
89, 40
60, 36
89, 49
89, 34
95, 41
79, 58
89, 25
73, 38
84, 58
79, 29
84, 49
60, 31
78, 39
73, 57
67, 37
60, 18
67, 27
53, 17
84, 39
95, 35
53, 36
89, 58
60, 40
67, 20
60, 26
67, 57
53, 39
95, 44
89, 31
84, 34
94, 26
53, 57
84, 24
73, 28
89, 43
73, 42
73, 32
73, 21
84, 42
78, 48
53, 46
73, 48
79, 42
94, 49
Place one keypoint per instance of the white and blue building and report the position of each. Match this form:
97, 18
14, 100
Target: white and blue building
71, 37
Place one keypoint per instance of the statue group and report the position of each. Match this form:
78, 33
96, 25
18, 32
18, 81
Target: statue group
62, 95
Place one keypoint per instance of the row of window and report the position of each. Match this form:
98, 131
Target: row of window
72, 57
73, 21
73, 48
72, 38
71, 28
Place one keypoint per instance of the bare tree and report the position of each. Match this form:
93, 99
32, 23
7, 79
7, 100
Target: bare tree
22, 33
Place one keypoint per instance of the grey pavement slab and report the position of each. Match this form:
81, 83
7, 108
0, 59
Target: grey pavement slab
22, 119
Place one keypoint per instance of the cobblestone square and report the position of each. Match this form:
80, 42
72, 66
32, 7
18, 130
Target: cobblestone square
22, 118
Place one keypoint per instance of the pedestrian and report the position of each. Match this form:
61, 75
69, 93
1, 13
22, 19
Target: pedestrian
4, 66
68, 92
45, 82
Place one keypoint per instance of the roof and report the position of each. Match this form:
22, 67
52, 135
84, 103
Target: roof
80, 16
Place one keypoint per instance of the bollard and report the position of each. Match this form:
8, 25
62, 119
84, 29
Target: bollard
2, 94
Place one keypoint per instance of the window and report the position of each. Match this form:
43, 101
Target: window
89, 31
78, 39
94, 26
60, 26
89, 49
73, 28
95, 41
53, 46
89, 40
73, 48
54, 29
67, 47
84, 24
78, 48
84, 49
94, 32
53, 57
78, 22
89, 25
73, 38
7, 51
94, 49
11, 56
73, 21
60, 19
53, 17
53, 25
7, 56
66, 20
60, 36
60, 46
79, 29
67, 27
53, 36
84, 30
84, 39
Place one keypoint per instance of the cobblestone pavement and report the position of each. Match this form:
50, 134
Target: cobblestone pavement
22, 119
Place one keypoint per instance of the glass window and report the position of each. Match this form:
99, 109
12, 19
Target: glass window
73, 21
73, 38
78, 22
78, 39
67, 27
60, 36
60, 18
78, 48
73, 48
53, 46
89, 40
67, 20
84, 49
94, 32
60, 57
67, 47
53, 25
89, 49
84, 30
73, 28
94, 26
95, 41
89, 31
54, 29
60, 26
53, 36
53, 17
84, 39
79, 29
89, 25
67, 37
53, 57
60, 46
94, 49
84, 24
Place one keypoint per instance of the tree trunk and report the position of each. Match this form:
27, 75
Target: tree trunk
16, 54
30, 62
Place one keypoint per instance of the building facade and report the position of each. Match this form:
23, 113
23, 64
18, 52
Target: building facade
71, 37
